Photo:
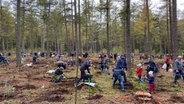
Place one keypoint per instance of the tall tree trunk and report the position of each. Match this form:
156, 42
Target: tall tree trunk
1, 10
145, 41
22, 34
79, 19
86, 26
133, 43
66, 29
73, 40
128, 34
167, 46
175, 34
1, 29
171, 28
7, 45
108, 12
55, 42
48, 30
31, 39
43, 41
161, 50
18, 55
36, 42
168, 33
125, 38
77, 47
3, 44
148, 28
60, 42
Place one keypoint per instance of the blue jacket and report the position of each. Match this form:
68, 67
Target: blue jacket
178, 65
151, 64
151, 79
121, 63
85, 66
2, 58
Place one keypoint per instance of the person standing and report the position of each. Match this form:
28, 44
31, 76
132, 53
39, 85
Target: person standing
139, 71
167, 62
118, 72
151, 79
178, 66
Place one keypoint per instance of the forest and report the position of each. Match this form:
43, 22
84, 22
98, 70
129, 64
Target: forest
70, 29
50, 26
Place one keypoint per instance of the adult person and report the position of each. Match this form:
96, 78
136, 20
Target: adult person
84, 66
178, 66
61, 64
167, 62
151, 66
118, 72
4, 60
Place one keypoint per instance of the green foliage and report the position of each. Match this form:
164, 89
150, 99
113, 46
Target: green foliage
92, 14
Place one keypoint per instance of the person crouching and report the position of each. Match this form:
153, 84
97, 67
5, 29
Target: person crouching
58, 75
84, 66
61, 64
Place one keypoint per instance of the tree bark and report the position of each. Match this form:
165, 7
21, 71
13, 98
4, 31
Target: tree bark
108, 12
31, 39
18, 55
79, 19
66, 29
43, 41
86, 26
128, 34
148, 29
77, 47
48, 30
171, 28
73, 40
22, 34
174, 27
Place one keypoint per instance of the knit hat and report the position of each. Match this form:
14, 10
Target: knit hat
150, 73
139, 65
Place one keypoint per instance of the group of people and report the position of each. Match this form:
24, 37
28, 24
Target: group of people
151, 69
119, 71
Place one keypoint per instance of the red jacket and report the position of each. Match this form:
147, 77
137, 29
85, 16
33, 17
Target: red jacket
168, 60
139, 71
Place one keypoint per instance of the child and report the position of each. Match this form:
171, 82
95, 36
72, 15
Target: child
58, 75
139, 71
152, 86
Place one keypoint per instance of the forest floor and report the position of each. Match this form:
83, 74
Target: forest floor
24, 86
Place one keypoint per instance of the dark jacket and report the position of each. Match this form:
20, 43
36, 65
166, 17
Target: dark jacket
121, 63
151, 79
151, 64
58, 71
2, 58
85, 66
